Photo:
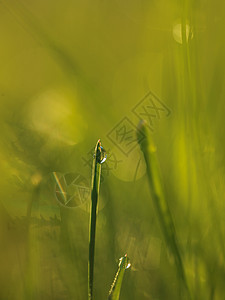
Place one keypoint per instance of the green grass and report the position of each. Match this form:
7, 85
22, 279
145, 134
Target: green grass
114, 293
70, 71
160, 203
96, 175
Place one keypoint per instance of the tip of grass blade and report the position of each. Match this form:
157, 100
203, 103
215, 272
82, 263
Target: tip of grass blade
146, 142
141, 130
100, 153
141, 124
124, 263
98, 144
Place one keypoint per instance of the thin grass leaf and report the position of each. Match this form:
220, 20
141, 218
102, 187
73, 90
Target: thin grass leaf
160, 203
114, 293
99, 158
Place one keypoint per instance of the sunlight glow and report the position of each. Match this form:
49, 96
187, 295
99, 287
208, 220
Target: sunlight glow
177, 32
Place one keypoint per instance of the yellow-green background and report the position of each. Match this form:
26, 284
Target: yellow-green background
69, 72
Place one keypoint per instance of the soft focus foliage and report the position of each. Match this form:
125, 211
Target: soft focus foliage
70, 72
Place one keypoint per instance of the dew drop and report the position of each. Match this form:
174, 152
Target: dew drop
124, 262
128, 265
101, 155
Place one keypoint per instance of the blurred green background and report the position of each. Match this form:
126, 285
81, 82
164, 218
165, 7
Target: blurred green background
70, 72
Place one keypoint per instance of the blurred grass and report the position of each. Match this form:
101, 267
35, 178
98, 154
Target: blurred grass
160, 203
70, 71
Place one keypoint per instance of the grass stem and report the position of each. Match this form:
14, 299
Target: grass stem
96, 173
159, 201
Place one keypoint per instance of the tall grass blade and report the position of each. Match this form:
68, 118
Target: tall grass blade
160, 203
99, 158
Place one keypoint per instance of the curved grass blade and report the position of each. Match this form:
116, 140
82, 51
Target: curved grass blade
161, 205
114, 293
99, 158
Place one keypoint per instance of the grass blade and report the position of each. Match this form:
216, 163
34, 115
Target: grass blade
159, 201
99, 157
114, 293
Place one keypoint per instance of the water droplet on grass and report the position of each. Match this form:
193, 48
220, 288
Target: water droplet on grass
101, 154
124, 262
